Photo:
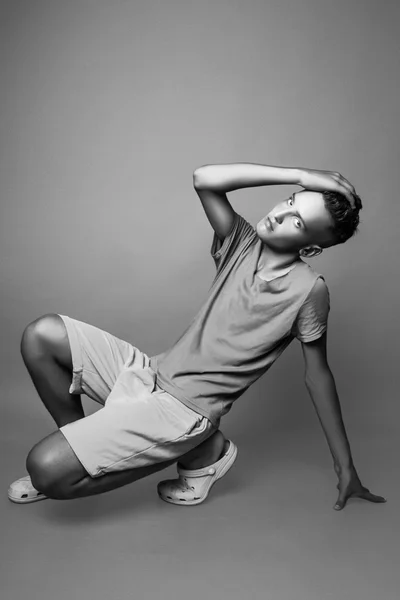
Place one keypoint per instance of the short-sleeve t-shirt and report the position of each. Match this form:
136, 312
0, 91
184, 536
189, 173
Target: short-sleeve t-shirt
312, 320
242, 327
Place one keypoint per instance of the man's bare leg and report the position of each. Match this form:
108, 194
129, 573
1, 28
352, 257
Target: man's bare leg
47, 356
46, 353
206, 453
56, 472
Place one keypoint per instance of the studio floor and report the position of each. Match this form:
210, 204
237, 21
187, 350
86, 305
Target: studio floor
267, 530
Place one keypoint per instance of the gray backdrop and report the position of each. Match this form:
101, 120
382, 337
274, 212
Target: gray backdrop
106, 110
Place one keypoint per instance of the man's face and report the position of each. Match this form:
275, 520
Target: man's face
298, 222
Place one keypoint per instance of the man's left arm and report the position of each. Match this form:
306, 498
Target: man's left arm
321, 386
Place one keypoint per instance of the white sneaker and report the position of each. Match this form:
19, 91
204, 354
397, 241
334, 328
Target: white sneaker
22, 491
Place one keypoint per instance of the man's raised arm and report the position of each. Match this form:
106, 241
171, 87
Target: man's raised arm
227, 177
234, 176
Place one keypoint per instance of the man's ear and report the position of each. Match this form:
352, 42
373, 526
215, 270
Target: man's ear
310, 251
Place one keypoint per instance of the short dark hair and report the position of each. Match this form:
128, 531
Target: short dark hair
345, 218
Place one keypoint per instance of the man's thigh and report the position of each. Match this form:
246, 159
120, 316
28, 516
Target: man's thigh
98, 359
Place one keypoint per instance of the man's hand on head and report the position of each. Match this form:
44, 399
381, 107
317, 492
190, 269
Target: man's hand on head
320, 181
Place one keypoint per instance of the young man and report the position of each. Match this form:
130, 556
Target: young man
168, 407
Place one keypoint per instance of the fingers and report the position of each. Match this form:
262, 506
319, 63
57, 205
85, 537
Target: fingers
354, 199
349, 186
364, 494
341, 501
345, 183
347, 189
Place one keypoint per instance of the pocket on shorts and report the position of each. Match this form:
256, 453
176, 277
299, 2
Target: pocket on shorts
186, 420
190, 428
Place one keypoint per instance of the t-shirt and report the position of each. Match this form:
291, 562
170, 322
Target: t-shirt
243, 326
312, 320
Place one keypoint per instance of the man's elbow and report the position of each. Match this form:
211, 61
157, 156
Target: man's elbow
198, 176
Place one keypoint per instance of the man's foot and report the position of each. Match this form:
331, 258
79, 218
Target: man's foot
207, 453
22, 491
193, 485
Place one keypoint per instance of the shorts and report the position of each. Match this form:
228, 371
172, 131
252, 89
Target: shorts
139, 424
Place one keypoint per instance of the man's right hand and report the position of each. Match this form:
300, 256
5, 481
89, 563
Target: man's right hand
319, 181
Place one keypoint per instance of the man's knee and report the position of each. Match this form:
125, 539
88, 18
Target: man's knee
43, 468
39, 467
40, 335
53, 467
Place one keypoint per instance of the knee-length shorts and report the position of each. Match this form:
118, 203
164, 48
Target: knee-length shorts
139, 423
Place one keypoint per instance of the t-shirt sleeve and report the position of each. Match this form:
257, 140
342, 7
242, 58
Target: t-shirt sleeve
312, 319
241, 231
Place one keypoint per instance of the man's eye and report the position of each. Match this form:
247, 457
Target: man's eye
298, 223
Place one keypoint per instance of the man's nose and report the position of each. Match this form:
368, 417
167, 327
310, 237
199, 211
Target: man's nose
280, 215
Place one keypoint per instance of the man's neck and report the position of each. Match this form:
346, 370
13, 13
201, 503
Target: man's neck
274, 264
